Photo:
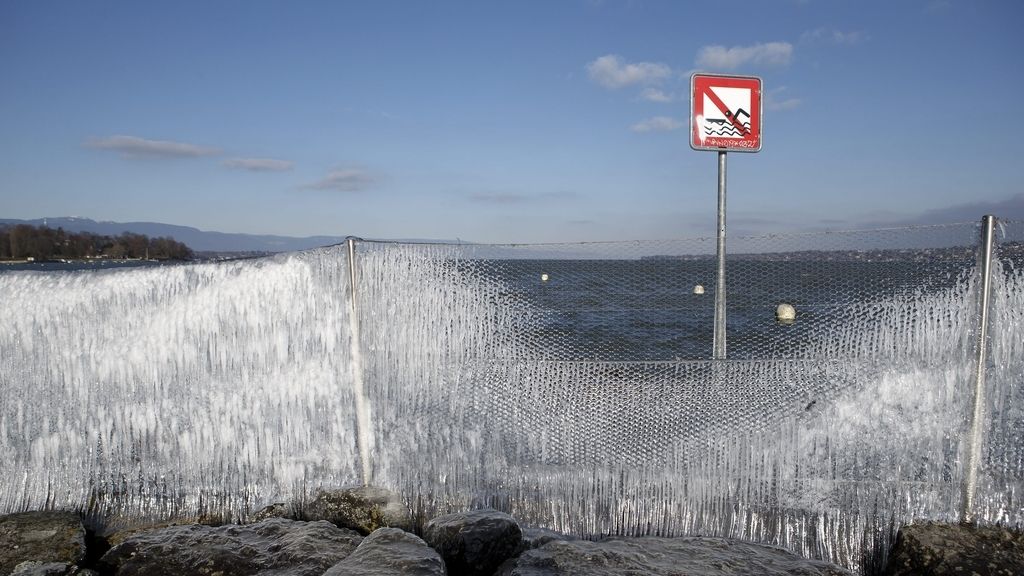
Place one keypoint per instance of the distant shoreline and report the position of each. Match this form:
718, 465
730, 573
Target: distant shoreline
89, 260
198, 257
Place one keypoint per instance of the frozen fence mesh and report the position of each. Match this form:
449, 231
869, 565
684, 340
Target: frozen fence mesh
654, 300
530, 375
570, 384
1002, 479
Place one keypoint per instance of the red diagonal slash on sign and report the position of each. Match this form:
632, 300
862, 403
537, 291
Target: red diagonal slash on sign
725, 110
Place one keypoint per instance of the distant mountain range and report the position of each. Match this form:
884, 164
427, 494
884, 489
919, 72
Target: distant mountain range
198, 240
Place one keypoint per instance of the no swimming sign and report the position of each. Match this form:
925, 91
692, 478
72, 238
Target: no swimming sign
725, 113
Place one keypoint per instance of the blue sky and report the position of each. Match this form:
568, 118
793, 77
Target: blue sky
524, 121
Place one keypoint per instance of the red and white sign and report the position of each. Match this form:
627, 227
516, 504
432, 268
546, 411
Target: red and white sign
725, 113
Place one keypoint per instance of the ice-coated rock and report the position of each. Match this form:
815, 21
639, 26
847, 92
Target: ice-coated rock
360, 508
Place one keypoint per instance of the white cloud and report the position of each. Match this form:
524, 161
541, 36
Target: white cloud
612, 72
655, 95
833, 36
516, 198
657, 124
134, 147
776, 100
499, 198
854, 37
259, 164
344, 180
787, 104
770, 54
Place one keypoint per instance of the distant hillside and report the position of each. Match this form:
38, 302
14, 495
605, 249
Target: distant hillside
197, 240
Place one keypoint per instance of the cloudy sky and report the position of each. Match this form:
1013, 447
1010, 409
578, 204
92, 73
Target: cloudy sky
513, 121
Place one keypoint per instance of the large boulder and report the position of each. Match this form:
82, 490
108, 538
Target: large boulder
42, 538
474, 543
389, 551
936, 549
665, 557
275, 545
361, 508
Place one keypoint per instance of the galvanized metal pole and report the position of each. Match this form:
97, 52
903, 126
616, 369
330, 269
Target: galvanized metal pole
718, 344
356, 367
978, 413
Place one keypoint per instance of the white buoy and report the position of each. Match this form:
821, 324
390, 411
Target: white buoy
785, 314
698, 289
543, 277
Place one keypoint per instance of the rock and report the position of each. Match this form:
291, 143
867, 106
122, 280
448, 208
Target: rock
276, 510
532, 538
51, 569
41, 537
652, 556
474, 542
33, 568
124, 531
362, 508
537, 537
274, 545
390, 551
936, 549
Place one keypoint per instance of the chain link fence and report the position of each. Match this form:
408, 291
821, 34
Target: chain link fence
571, 385
654, 300
537, 374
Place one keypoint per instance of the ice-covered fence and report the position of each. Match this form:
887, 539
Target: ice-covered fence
1001, 470
175, 390
568, 384
581, 399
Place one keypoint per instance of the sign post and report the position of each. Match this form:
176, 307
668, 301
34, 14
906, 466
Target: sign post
725, 114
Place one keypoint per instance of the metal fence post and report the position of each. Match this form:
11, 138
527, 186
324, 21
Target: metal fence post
356, 367
718, 341
977, 416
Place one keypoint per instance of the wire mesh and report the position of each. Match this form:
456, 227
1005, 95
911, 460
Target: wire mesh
654, 300
174, 391
569, 384
842, 285
528, 375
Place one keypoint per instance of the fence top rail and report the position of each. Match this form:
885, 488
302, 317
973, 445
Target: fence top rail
773, 236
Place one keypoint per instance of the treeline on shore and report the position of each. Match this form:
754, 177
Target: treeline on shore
23, 241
